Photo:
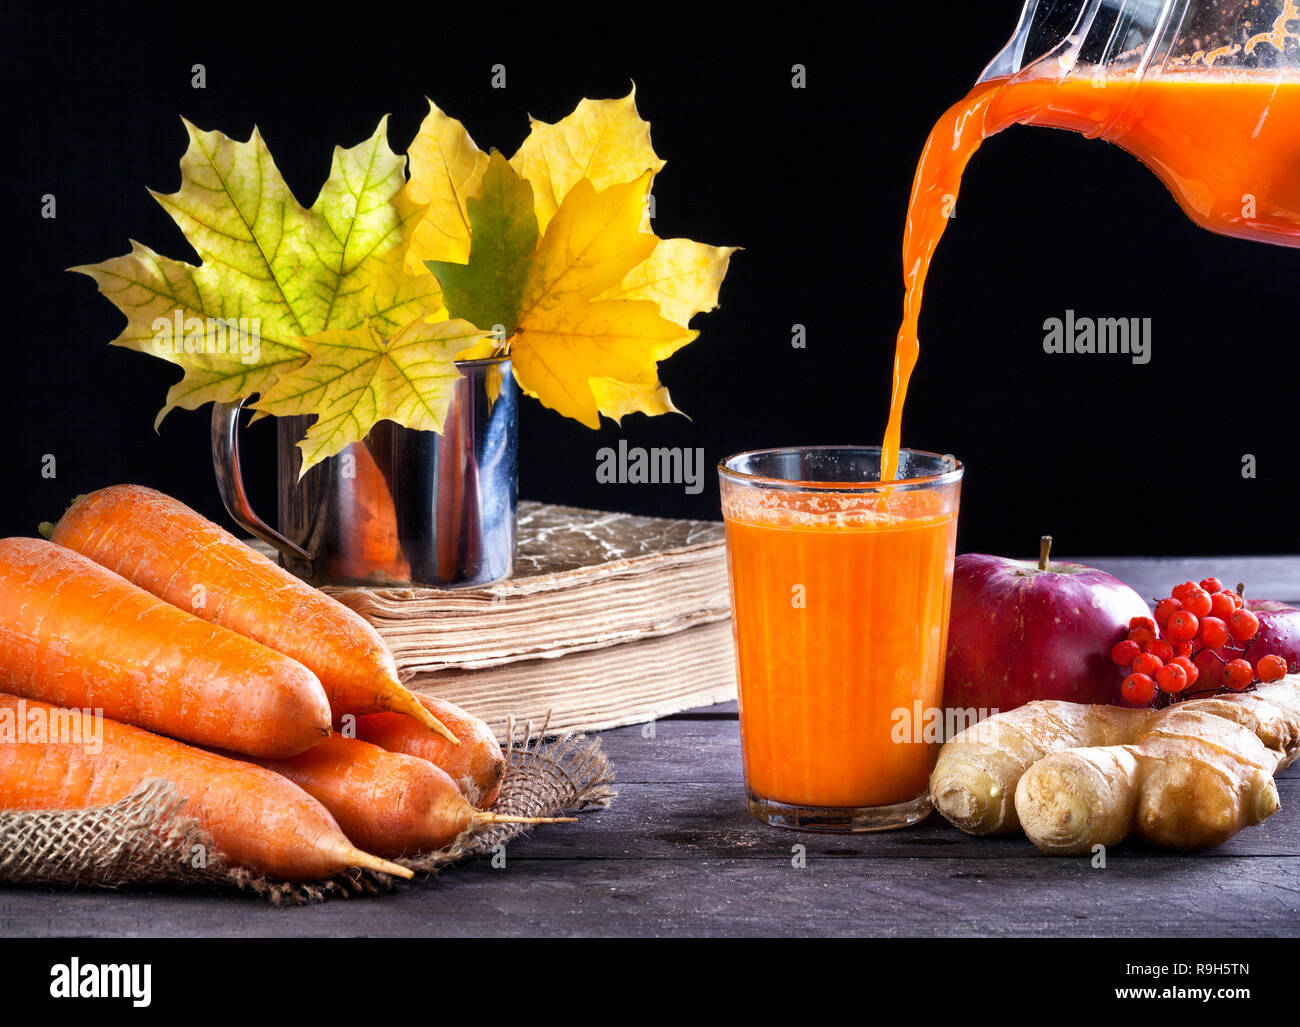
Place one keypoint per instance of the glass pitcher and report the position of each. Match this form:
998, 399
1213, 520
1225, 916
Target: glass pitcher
1206, 93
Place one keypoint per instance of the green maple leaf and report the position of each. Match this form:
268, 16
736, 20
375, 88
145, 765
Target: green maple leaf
503, 237
272, 271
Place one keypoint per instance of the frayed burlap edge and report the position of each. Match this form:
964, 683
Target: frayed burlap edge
146, 839
567, 775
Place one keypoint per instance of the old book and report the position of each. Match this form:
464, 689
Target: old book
631, 682
610, 619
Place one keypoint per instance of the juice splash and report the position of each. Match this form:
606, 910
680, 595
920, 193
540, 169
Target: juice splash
1226, 144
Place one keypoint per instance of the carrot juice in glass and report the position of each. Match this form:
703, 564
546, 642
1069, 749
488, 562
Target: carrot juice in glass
840, 589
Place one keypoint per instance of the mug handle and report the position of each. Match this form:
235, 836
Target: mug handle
230, 481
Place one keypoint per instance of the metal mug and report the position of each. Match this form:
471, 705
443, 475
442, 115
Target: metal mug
402, 507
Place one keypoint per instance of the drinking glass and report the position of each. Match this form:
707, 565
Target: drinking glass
840, 588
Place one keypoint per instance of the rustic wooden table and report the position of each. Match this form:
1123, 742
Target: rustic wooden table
677, 854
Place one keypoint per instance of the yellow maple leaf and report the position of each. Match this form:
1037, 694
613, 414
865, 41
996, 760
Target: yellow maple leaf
560, 349
355, 378
618, 399
605, 142
446, 170
603, 293
565, 336
682, 276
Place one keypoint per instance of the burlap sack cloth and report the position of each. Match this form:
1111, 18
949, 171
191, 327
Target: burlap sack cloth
146, 838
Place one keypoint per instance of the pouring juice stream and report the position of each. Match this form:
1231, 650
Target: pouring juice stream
1227, 147
840, 593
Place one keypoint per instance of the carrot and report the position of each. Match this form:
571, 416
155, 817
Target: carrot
75, 634
388, 802
166, 548
376, 546
477, 765
256, 818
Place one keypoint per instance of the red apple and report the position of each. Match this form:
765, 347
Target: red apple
1023, 630
1279, 633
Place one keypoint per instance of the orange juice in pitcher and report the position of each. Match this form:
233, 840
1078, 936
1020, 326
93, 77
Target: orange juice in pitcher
1206, 93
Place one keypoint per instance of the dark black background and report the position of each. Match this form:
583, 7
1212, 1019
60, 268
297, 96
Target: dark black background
1105, 455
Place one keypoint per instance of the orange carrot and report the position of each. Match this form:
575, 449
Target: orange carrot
258, 819
375, 549
477, 765
75, 634
387, 802
166, 548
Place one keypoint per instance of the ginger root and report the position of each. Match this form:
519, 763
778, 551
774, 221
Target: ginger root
974, 780
1186, 777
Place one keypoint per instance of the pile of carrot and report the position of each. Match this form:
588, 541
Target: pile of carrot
218, 671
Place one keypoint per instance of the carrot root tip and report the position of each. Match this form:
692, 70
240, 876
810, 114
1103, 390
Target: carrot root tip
357, 858
431, 722
498, 818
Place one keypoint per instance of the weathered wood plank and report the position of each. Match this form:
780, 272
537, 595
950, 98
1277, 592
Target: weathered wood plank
704, 751
722, 711
1135, 896
682, 821
682, 794
684, 748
